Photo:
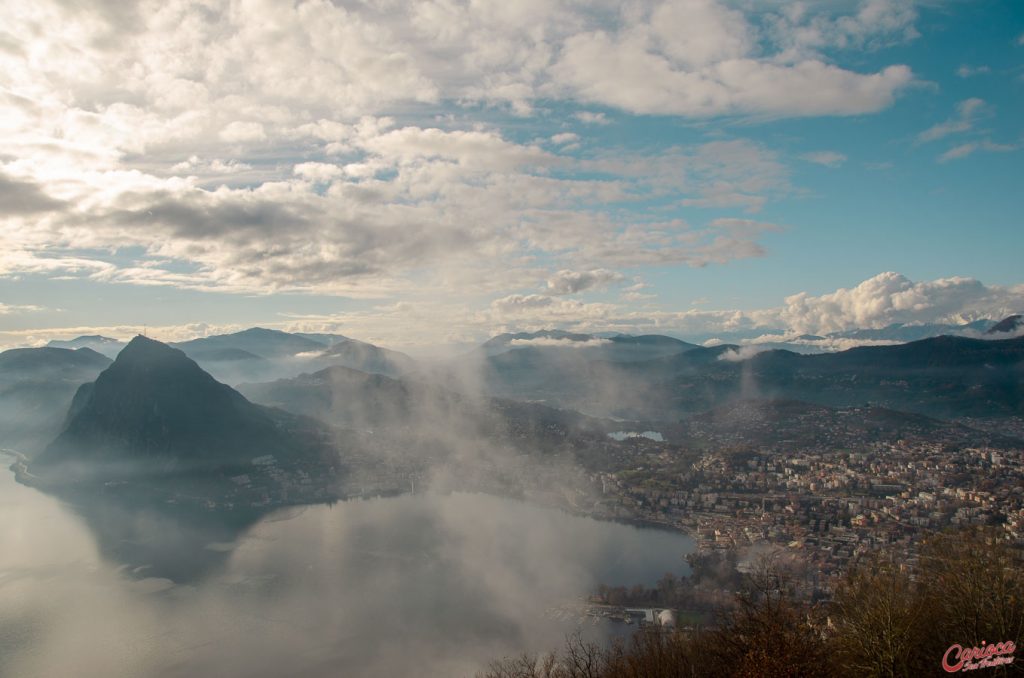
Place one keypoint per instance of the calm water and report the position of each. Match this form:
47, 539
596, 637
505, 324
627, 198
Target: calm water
425, 585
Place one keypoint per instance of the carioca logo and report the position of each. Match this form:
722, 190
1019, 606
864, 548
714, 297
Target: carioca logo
958, 658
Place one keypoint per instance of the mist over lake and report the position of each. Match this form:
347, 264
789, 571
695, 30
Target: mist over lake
430, 585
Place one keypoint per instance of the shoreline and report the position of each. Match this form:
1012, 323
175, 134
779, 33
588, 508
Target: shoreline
21, 474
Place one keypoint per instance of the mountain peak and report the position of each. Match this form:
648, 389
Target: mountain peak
143, 347
143, 353
154, 401
1008, 324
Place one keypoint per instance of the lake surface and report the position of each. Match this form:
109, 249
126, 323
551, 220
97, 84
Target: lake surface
424, 585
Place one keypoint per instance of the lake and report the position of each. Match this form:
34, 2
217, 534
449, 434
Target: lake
425, 585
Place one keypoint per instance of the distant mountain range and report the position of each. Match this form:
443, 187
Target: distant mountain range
260, 354
833, 341
419, 413
941, 376
104, 345
349, 383
36, 388
258, 341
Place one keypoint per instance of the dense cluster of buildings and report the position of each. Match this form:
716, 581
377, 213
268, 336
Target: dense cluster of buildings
829, 506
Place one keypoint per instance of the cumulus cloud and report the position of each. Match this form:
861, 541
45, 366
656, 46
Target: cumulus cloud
891, 298
624, 71
805, 27
571, 282
408, 199
517, 303
565, 138
238, 131
318, 171
247, 150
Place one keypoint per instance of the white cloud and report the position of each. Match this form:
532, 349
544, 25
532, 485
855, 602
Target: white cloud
592, 118
318, 171
564, 138
877, 302
802, 28
559, 343
893, 298
244, 146
625, 72
964, 150
966, 112
572, 282
408, 201
826, 158
517, 303
966, 71
742, 353
240, 131
10, 309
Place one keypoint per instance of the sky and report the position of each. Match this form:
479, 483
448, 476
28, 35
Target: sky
431, 173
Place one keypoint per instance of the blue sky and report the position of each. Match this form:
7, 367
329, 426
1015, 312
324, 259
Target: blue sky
418, 174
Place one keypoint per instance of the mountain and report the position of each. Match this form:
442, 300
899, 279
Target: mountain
1007, 325
342, 396
324, 338
155, 413
259, 354
105, 345
256, 340
424, 417
575, 371
908, 332
233, 365
768, 339
36, 388
47, 361
365, 357
940, 377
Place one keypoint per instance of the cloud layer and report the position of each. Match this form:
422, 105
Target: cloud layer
338, 148
877, 302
